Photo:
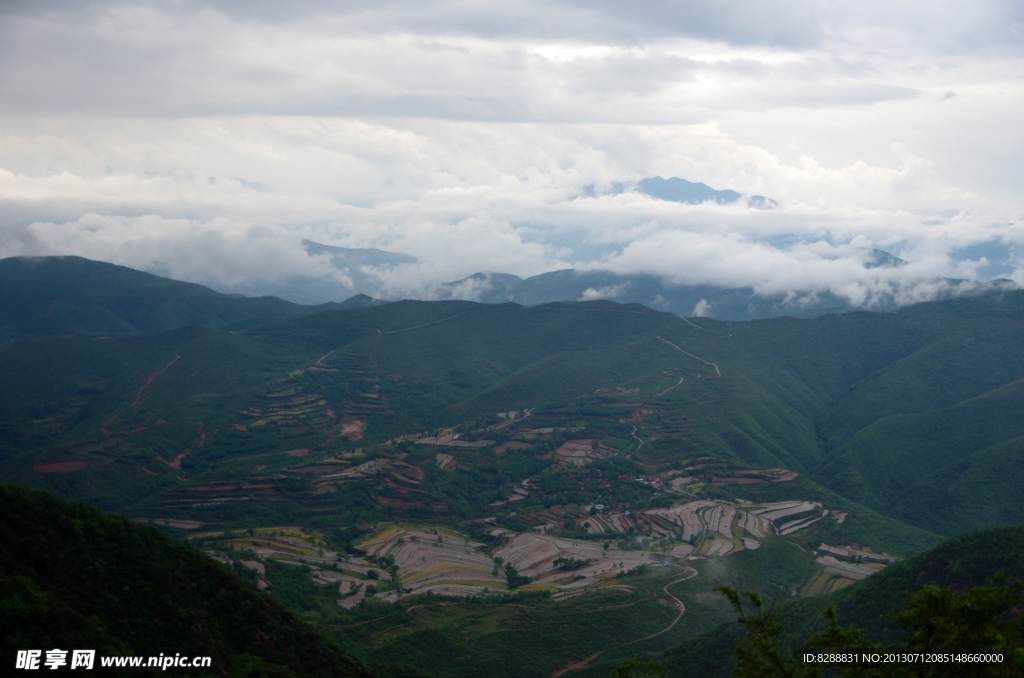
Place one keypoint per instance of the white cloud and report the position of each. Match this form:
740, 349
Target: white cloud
702, 309
206, 140
607, 292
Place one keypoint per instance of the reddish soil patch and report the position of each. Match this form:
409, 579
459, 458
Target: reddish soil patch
159, 422
446, 462
414, 472
63, 466
512, 445
717, 480
175, 461
301, 452
398, 503
259, 467
393, 486
240, 427
353, 428
571, 666
153, 377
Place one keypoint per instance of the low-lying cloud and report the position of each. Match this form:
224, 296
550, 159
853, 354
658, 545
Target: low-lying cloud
206, 140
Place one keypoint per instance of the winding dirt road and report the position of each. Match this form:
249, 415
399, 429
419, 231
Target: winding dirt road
718, 372
152, 378
580, 663
670, 387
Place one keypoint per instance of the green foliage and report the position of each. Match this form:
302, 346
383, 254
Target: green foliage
940, 628
515, 580
638, 667
760, 653
961, 563
72, 577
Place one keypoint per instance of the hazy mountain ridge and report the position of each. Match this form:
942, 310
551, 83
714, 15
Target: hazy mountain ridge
743, 303
59, 304
47, 296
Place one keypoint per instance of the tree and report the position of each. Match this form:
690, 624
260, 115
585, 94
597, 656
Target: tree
513, 577
636, 667
759, 654
936, 621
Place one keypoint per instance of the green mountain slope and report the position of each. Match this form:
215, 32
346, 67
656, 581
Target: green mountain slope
869, 404
907, 464
48, 296
73, 578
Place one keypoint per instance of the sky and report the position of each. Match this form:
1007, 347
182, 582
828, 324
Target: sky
205, 141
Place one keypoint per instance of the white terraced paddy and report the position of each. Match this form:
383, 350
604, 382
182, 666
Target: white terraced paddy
446, 562
449, 564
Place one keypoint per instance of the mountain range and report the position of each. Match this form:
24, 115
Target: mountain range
488, 488
360, 272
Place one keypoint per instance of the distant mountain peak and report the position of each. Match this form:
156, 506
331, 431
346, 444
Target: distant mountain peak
367, 256
882, 259
675, 189
483, 286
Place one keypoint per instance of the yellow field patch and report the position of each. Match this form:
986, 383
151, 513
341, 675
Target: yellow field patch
817, 584
539, 586
841, 582
383, 532
430, 571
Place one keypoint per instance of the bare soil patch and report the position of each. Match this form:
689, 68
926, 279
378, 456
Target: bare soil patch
67, 466
572, 666
398, 503
353, 428
414, 472
153, 377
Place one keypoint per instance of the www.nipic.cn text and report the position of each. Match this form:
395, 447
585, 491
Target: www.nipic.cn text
86, 659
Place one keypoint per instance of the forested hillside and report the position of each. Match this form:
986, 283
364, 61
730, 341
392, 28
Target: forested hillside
71, 577
57, 296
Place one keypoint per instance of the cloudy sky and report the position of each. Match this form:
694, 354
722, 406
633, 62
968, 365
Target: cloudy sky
206, 140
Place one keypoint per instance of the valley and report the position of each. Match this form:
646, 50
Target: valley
442, 481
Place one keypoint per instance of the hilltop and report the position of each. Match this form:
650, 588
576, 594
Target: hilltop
59, 296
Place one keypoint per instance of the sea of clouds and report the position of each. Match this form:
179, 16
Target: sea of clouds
206, 140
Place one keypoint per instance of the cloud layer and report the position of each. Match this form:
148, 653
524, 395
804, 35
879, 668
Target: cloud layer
205, 140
